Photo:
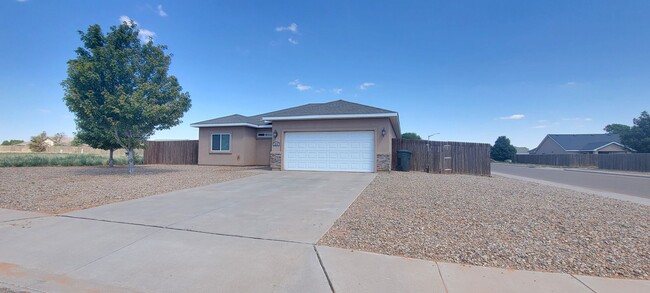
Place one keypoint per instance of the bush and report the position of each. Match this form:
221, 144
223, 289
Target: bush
36, 160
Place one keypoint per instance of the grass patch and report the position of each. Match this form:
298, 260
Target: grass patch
37, 160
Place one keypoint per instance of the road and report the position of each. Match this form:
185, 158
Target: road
612, 183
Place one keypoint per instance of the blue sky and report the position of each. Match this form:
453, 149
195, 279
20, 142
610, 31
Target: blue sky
469, 70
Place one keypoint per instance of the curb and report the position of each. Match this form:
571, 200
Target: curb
608, 173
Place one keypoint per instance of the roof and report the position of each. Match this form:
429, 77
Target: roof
330, 110
584, 142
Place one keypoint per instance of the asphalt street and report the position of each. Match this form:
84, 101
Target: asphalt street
616, 183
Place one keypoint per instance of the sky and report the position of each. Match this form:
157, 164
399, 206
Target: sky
466, 70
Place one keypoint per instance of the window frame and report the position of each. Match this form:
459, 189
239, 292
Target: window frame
221, 134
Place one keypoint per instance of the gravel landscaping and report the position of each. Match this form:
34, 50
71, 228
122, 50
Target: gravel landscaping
498, 222
63, 189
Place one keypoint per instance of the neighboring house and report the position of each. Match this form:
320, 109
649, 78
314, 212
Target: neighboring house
522, 150
48, 142
581, 144
334, 136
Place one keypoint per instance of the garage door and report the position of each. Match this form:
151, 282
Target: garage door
330, 151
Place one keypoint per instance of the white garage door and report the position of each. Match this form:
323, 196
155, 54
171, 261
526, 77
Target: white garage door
330, 151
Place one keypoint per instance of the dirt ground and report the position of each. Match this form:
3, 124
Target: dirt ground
63, 189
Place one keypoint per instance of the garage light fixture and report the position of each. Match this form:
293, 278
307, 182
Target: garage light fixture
383, 132
275, 134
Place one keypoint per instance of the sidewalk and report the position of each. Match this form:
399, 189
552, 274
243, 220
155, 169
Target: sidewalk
355, 271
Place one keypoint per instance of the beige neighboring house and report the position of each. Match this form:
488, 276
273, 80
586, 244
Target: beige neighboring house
48, 142
581, 144
333, 136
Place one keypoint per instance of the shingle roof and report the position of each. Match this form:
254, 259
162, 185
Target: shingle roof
339, 107
584, 142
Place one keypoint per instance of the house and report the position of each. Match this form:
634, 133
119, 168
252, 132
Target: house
48, 142
333, 136
581, 144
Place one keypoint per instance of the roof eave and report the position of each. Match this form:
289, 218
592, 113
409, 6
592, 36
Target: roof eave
320, 117
197, 125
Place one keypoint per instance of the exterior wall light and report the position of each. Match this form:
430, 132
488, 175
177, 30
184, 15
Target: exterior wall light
383, 132
275, 134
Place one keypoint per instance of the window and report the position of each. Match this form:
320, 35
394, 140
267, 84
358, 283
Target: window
221, 142
264, 135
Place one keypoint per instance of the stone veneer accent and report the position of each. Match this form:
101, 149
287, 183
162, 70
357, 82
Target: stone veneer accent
383, 162
276, 161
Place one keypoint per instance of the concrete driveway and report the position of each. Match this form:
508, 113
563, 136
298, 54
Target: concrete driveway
254, 234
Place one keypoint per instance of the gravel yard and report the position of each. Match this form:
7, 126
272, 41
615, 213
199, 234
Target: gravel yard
63, 189
498, 222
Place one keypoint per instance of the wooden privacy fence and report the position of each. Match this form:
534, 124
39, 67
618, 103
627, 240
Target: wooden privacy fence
180, 152
445, 156
625, 162
567, 160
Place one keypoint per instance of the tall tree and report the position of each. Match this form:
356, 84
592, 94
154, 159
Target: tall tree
12, 142
410, 135
638, 137
502, 149
58, 138
119, 87
620, 129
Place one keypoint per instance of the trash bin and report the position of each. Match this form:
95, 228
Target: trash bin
404, 160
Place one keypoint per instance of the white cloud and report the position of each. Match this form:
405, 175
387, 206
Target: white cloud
542, 121
21, 1
127, 19
43, 110
293, 27
366, 85
571, 83
539, 126
299, 86
337, 91
293, 41
513, 117
145, 35
577, 119
161, 12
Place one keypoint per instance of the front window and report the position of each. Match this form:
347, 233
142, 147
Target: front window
221, 142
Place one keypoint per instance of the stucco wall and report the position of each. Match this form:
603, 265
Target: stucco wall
549, 146
243, 146
612, 148
263, 151
383, 144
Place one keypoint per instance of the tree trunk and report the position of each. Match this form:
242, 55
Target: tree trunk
129, 153
110, 158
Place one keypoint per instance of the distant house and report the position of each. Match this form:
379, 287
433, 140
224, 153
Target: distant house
49, 142
522, 150
581, 144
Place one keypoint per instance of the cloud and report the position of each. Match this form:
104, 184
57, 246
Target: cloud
161, 12
293, 27
293, 41
127, 19
21, 1
577, 119
145, 35
43, 110
337, 91
366, 85
539, 126
513, 117
542, 121
571, 83
299, 86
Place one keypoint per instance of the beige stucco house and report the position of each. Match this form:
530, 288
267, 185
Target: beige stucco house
333, 136
581, 144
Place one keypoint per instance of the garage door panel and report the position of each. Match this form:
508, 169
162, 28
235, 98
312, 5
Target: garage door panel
329, 151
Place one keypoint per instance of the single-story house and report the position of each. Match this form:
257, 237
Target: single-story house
581, 144
333, 136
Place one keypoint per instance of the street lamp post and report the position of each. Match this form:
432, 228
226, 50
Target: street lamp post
429, 150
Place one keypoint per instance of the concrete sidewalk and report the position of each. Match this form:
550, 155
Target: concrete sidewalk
119, 257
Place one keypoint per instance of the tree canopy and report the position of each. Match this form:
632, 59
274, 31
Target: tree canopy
12, 142
636, 137
410, 135
502, 149
37, 143
120, 91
